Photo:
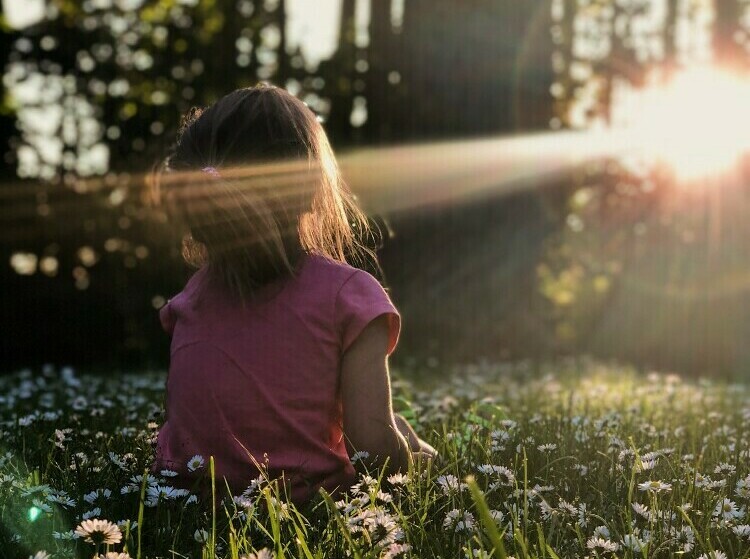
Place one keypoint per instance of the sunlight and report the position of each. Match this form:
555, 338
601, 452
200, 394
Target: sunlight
697, 122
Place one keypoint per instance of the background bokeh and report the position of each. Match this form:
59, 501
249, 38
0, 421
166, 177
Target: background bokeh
612, 257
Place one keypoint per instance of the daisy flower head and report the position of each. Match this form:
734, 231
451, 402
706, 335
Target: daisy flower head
713, 555
359, 456
685, 538
727, 509
398, 479
396, 551
382, 528
196, 463
595, 543
655, 486
645, 465
742, 531
458, 521
633, 543
114, 555
40, 555
99, 531
450, 484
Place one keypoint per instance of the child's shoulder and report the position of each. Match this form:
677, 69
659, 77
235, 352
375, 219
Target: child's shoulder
335, 270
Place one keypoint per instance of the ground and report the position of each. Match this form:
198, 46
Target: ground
574, 460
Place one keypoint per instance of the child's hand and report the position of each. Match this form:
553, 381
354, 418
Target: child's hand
422, 458
426, 448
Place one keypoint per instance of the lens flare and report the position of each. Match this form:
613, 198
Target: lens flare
698, 122
34, 513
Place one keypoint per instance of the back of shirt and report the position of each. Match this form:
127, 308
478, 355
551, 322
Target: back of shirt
259, 384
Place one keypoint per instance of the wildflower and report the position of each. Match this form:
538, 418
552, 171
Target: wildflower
459, 522
566, 508
497, 515
122, 524
742, 530
384, 497
742, 488
646, 464
382, 528
547, 447
200, 535
91, 514
117, 461
99, 531
398, 479
359, 456
685, 538
641, 510
633, 543
727, 510
602, 532
196, 463
506, 476
61, 498
66, 536
40, 555
655, 486
114, 555
396, 550
582, 516
595, 543
97, 494
44, 507
713, 555
154, 493
450, 484
367, 484
701, 480
724, 468
168, 473
546, 509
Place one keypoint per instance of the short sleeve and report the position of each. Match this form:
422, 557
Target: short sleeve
360, 300
166, 317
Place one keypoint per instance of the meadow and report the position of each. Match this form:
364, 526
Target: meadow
577, 459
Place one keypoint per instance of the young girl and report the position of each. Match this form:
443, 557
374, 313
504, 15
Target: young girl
279, 355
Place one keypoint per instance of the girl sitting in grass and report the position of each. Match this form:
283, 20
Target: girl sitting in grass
279, 355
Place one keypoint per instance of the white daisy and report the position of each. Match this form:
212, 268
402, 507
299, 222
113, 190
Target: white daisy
196, 463
99, 531
655, 486
595, 543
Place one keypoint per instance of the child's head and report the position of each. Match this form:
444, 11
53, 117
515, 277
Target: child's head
255, 183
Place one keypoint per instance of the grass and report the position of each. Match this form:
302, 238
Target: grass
573, 461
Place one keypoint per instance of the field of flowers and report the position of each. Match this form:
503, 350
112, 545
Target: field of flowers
570, 461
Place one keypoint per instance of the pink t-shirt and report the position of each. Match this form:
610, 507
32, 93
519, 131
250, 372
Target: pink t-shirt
262, 382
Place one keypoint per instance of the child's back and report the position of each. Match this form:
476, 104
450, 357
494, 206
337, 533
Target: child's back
277, 348
262, 380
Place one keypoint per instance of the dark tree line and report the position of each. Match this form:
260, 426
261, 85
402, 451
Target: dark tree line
470, 278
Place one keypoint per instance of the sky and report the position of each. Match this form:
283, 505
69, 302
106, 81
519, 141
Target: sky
313, 24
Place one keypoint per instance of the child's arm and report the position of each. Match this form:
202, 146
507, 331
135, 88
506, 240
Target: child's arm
369, 422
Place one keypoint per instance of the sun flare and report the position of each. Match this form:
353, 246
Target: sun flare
698, 122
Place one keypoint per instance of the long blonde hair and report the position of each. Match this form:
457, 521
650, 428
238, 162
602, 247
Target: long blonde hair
254, 180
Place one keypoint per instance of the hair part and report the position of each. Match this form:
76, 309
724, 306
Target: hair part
277, 194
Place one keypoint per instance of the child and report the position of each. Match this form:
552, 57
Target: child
279, 347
